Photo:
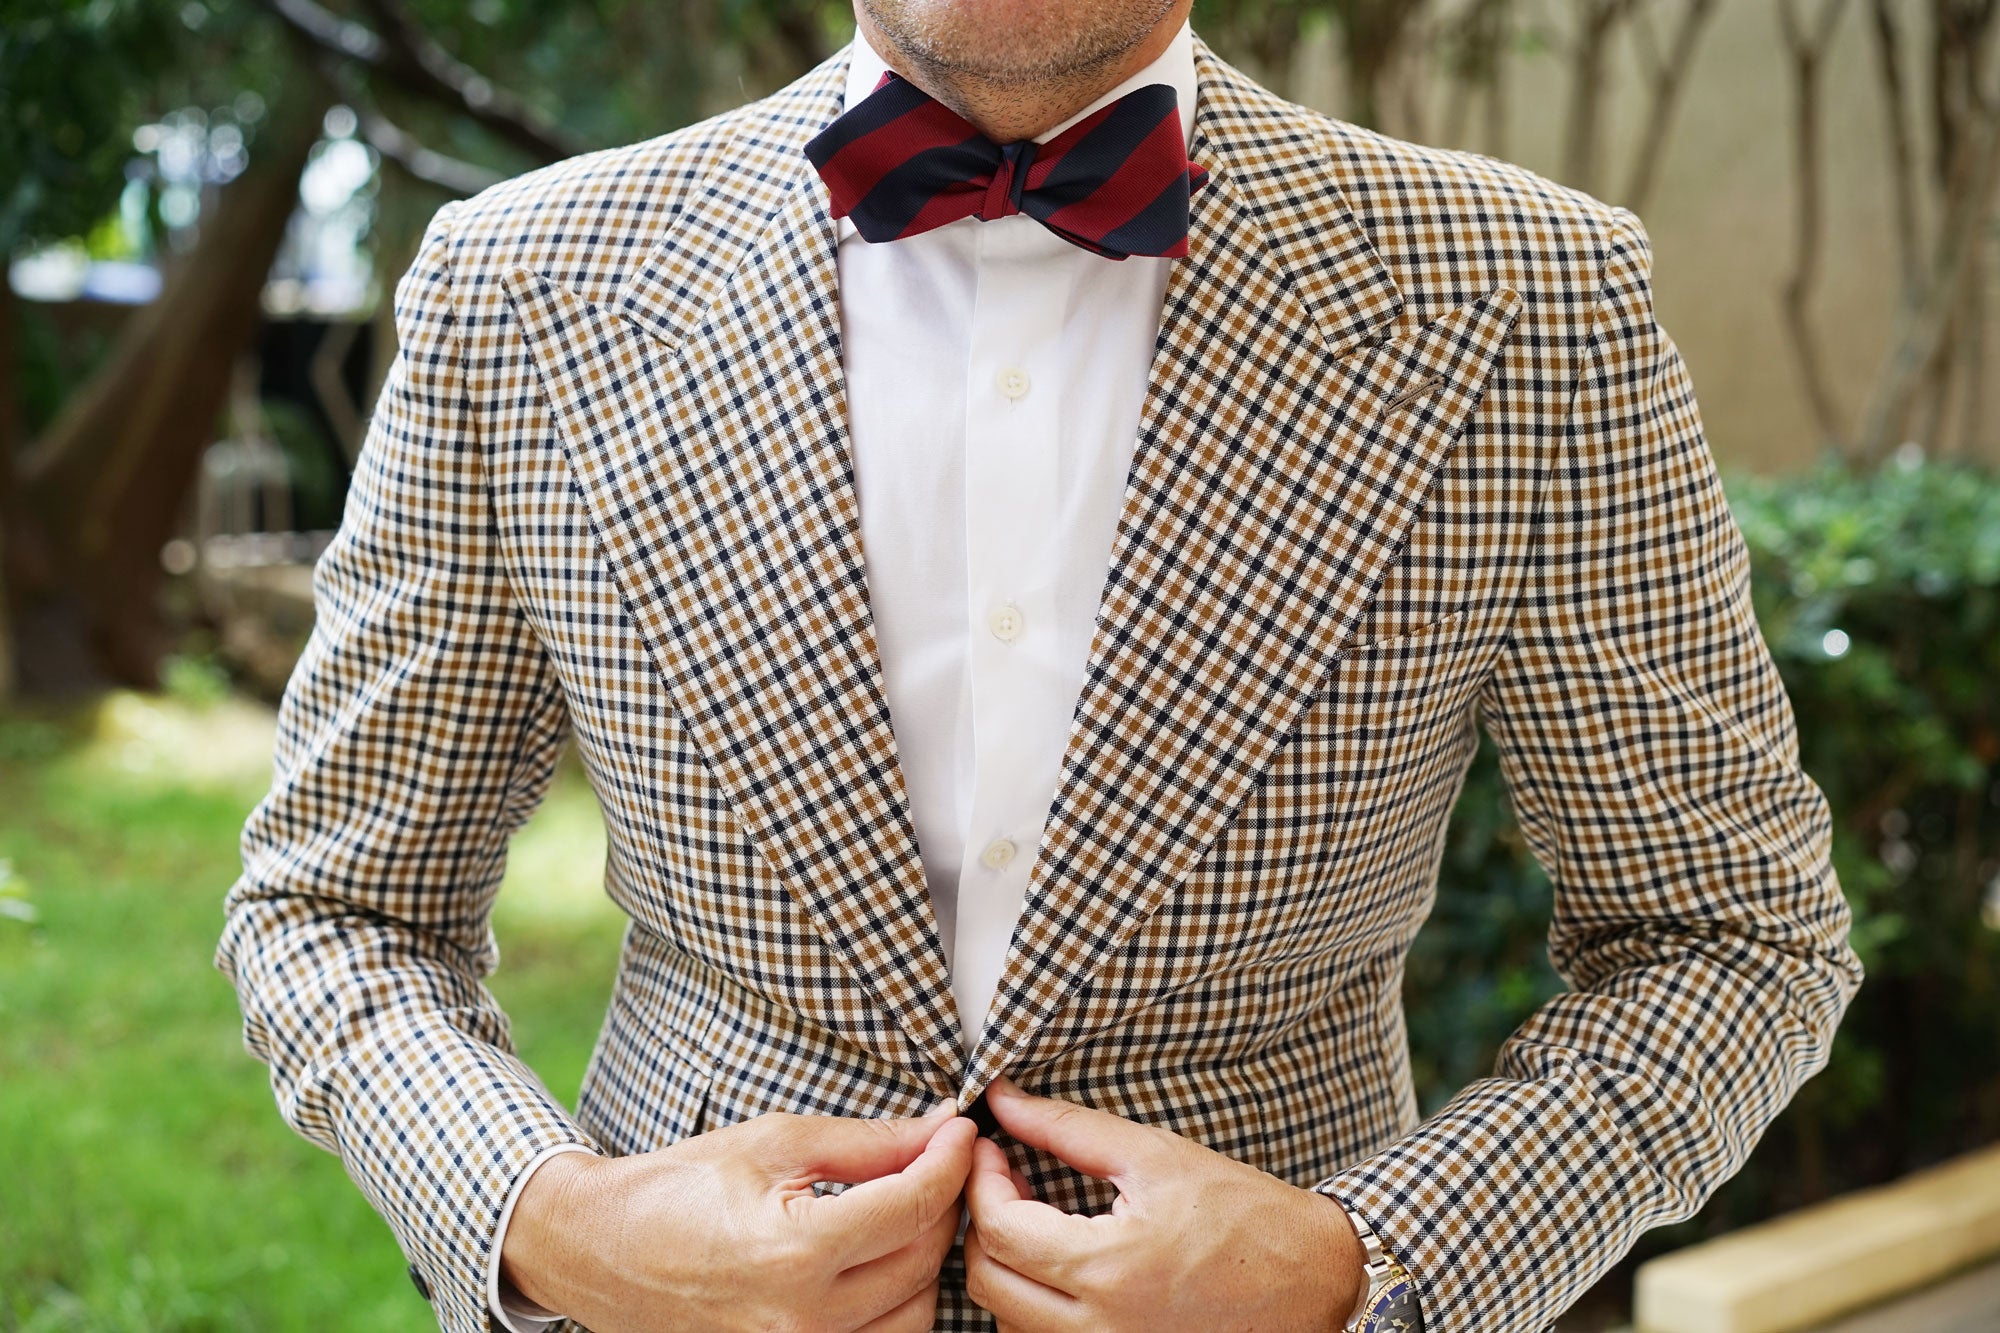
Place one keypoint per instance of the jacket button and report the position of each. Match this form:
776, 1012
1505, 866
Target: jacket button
982, 1115
417, 1281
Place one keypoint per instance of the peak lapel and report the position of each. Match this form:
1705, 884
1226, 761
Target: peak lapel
1275, 477
703, 411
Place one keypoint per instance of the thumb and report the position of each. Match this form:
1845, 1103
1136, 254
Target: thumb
991, 1182
877, 1217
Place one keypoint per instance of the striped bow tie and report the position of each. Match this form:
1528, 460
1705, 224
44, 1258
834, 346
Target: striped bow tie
1117, 182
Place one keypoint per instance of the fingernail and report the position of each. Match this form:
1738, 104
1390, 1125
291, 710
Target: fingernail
943, 1110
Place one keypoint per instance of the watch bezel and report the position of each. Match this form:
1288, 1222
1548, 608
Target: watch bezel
1383, 1302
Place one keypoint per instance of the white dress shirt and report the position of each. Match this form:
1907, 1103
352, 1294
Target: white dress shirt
995, 374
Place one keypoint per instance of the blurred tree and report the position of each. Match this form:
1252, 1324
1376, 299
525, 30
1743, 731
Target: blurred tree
452, 96
78, 505
105, 484
64, 143
65, 140
1936, 352
1939, 349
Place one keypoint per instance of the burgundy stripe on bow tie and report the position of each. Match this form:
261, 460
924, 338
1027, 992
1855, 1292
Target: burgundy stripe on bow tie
1117, 182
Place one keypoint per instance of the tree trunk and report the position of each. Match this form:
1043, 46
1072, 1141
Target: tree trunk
103, 489
10, 443
1924, 321
1669, 76
1595, 23
1376, 33
1807, 46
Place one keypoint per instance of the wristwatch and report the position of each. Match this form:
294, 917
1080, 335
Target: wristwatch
1388, 1299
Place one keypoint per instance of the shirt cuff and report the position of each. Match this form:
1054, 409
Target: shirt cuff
510, 1309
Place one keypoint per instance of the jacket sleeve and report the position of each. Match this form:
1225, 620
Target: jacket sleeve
1652, 758
417, 733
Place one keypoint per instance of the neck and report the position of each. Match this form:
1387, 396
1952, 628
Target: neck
1008, 111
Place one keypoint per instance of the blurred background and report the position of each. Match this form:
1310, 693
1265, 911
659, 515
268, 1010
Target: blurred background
205, 204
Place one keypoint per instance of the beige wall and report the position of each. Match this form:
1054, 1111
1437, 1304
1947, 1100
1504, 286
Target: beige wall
1721, 215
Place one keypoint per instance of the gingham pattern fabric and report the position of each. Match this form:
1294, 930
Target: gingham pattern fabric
899, 162
1414, 454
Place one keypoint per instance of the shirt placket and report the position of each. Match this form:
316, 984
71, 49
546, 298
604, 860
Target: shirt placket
1012, 547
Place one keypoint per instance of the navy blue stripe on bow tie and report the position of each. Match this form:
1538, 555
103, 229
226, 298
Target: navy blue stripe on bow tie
1117, 183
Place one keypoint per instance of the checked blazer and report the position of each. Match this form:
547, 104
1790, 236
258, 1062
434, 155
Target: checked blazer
1414, 458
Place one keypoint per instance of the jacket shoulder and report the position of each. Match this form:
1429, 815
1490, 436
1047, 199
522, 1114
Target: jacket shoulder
583, 220
1452, 225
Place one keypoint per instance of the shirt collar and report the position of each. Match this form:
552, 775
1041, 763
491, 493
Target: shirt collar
1173, 67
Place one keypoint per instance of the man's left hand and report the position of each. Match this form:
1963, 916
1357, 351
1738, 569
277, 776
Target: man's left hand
1195, 1240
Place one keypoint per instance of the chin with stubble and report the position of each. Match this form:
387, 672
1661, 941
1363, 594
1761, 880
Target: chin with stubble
1017, 62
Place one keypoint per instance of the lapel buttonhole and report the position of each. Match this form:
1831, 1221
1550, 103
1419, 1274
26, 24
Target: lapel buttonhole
1423, 389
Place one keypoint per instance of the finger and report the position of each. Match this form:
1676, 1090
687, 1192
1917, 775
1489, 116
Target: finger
846, 1148
869, 1289
882, 1215
1015, 1298
992, 1181
990, 1156
912, 1316
1094, 1142
1032, 1238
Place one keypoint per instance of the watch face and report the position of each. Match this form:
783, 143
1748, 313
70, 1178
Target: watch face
1395, 1309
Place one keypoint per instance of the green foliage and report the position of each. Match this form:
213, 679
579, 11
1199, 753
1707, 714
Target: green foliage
81, 75
606, 71
72, 70
196, 681
53, 366
149, 1183
316, 483
1879, 595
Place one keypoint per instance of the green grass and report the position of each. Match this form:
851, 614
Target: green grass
146, 1180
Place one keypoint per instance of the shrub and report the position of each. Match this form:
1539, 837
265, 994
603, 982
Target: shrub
1879, 595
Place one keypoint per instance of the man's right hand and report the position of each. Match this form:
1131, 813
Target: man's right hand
724, 1231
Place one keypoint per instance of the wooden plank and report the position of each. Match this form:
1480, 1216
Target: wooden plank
1818, 1263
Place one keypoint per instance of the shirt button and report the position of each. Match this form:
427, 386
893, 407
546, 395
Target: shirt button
1013, 381
997, 854
1005, 622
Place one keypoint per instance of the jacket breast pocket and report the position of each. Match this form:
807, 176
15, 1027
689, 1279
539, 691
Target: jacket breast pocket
1395, 680
1373, 637
1359, 796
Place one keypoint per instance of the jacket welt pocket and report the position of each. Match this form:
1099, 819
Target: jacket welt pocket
1394, 637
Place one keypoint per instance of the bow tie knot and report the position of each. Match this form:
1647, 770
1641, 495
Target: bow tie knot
1116, 183
1010, 181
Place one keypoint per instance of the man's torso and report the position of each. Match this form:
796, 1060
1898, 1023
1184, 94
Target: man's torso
1365, 364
